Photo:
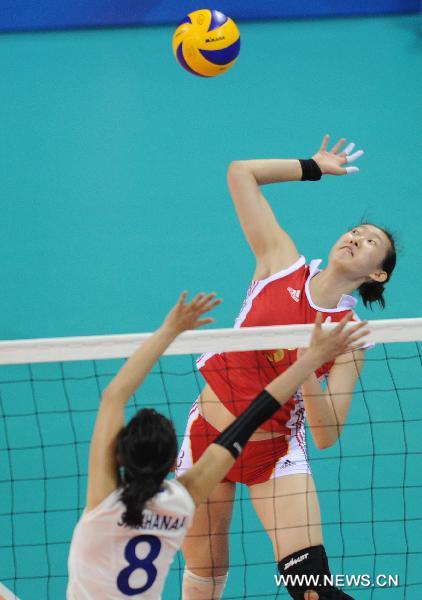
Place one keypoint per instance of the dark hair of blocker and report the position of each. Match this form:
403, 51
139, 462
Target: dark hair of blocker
147, 451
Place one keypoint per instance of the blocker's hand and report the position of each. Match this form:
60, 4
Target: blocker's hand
328, 344
187, 315
331, 161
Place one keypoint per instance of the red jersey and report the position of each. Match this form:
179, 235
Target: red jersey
281, 299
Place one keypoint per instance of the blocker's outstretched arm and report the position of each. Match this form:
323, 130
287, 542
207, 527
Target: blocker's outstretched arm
103, 469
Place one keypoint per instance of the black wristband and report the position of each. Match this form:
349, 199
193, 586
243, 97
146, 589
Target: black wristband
235, 436
310, 170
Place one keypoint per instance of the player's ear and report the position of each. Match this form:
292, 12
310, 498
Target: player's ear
378, 277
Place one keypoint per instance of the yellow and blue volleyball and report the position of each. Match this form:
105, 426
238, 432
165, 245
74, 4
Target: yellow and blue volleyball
206, 43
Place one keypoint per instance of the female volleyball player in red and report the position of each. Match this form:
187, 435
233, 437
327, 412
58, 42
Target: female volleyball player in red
285, 290
135, 520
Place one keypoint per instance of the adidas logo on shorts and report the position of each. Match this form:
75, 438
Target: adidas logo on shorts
287, 463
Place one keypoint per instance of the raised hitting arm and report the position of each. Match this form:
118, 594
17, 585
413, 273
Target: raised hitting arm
272, 246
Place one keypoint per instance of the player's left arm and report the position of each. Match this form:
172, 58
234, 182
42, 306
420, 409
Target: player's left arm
103, 474
327, 411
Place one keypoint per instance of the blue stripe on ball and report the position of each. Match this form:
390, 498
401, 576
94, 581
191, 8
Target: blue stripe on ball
183, 62
217, 19
222, 57
187, 19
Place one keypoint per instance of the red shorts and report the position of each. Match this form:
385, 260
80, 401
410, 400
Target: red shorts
259, 461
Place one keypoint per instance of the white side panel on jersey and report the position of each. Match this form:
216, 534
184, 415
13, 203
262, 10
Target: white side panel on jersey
297, 414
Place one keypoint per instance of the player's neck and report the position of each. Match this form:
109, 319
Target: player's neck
328, 286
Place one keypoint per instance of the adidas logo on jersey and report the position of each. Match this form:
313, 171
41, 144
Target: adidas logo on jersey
295, 294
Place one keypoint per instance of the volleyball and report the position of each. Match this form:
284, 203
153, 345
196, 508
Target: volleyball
206, 43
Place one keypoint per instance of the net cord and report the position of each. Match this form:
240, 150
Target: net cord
192, 342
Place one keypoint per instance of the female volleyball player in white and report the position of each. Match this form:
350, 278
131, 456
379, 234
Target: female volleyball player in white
135, 520
285, 290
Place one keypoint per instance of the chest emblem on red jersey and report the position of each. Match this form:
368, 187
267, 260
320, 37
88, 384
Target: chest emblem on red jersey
295, 294
275, 356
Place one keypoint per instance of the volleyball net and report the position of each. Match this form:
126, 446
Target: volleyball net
369, 482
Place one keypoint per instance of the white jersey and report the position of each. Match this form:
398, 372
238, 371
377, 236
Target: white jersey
111, 562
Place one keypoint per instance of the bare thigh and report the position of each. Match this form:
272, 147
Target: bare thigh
288, 508
206, 546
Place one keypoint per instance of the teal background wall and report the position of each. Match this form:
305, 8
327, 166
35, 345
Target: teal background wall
112, 168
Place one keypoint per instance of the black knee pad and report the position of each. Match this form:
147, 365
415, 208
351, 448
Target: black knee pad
311, 564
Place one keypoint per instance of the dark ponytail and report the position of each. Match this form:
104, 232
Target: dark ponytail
373, 291
147, 450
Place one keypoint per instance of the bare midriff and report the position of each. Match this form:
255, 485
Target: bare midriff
217, 415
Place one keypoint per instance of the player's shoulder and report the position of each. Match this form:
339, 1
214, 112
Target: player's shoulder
174, 497
111, 503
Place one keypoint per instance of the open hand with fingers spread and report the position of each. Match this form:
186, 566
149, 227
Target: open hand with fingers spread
331, 161
186, 315
327, 344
